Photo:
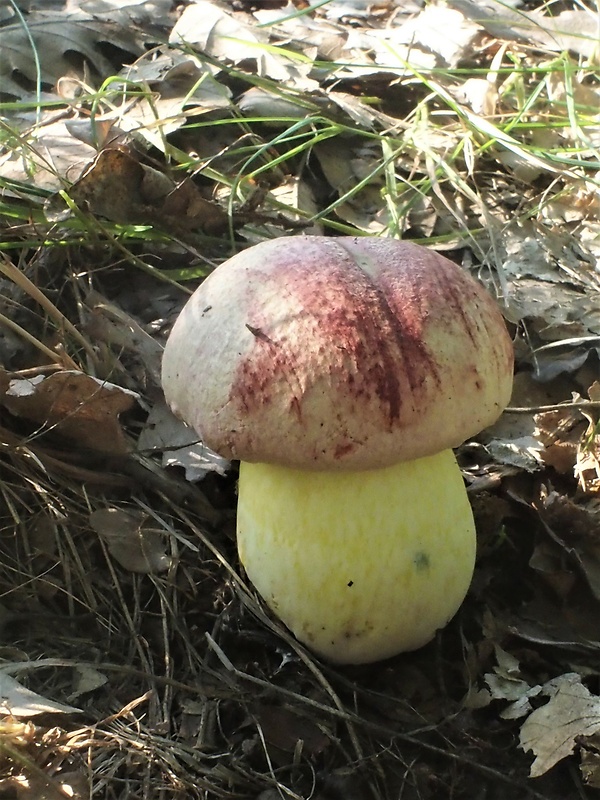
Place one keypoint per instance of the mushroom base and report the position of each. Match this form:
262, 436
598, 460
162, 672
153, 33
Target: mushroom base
359, 566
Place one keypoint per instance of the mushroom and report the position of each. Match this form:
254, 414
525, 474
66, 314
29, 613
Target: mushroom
341, 372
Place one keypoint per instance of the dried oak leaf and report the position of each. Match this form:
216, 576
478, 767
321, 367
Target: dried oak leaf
553, 730
81, 408
120, 188
590, 761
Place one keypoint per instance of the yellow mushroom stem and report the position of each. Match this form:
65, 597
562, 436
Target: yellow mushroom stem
360, 566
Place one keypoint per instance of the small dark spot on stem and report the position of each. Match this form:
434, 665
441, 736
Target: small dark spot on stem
421, 561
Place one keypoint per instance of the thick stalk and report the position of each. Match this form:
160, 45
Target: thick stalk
359, 565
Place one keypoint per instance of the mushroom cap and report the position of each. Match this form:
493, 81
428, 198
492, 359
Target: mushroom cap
338, 353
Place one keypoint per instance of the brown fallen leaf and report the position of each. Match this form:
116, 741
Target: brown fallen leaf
185, 209
117, 186
112, 186
76, 405
590, 761
81, 408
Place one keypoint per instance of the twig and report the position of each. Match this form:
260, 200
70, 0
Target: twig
338, 713
348, 716
576, 404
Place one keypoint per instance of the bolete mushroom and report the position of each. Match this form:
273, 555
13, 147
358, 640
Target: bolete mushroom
341, 372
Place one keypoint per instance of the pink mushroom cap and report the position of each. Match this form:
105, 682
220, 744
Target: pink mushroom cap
341, 353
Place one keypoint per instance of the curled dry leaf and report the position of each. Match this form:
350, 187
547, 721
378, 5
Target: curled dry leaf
119, 187
132, 543
116, 185
79, 407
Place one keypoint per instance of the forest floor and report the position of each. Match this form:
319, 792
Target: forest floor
141, 145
